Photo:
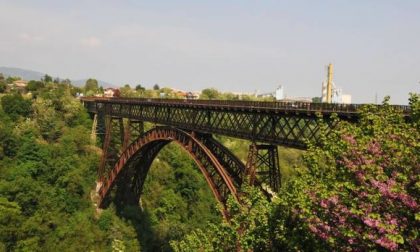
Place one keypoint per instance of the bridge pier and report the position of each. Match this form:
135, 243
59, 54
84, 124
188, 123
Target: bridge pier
263, 164
133, 130
94, 128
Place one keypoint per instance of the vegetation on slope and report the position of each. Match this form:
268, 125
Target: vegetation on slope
47, 172
359, 192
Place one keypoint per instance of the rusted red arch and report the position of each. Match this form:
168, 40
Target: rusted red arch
215, 174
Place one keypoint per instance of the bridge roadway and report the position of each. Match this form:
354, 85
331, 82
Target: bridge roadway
277, 123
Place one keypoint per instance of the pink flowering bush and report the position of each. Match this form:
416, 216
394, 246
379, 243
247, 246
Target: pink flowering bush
361, 191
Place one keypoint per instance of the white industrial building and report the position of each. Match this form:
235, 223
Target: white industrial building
279, 94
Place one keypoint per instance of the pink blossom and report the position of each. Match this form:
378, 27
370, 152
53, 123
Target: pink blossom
387, 243
393, 221
313, 229
360, 176
323, 236
408, 201
341, 220
374, 148
371, 222
350, 139
363, 194
334, 200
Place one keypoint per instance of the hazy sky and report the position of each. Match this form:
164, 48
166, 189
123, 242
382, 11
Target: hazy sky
230, 45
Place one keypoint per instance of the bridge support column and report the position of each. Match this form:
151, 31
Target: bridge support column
263, 163
94, 129
112, 144
133, 129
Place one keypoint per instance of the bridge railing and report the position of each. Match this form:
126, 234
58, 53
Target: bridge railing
277, 105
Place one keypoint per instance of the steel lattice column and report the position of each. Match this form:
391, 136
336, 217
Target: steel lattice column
112, 144
100, 127
133, 129
263, 164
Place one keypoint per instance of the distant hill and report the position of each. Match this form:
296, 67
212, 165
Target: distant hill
23, 73
34, 75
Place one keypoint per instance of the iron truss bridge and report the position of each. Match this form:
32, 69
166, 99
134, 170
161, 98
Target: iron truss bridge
128, 150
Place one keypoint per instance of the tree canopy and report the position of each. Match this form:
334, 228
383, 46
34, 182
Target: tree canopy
209, 94
15, 105
91, 86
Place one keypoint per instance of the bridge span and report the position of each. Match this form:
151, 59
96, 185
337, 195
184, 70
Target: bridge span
128, 150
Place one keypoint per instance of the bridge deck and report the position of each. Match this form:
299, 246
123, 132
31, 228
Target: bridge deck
308, 107
282, 123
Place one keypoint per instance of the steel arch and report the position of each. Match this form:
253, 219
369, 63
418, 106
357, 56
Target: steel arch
133, 164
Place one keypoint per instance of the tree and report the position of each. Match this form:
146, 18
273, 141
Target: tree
11, 79
91, 85
34, 85
361, 192
247, 229
15, 105
3, 87
66, 82
10, 220
47, 119
47, 78
210, 94
156, 87
9, 142
126, 91
139, 87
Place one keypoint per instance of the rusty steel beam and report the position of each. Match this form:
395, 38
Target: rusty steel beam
137, 158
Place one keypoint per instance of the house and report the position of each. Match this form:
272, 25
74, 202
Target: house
20, 84
112, 92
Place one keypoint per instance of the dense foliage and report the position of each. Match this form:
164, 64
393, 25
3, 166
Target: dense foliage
360, 191
47, 172
3, 85
14, 105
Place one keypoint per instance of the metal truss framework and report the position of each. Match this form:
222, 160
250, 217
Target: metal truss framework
263, 164
128, 151
272, 126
